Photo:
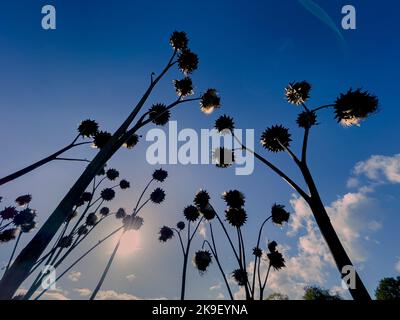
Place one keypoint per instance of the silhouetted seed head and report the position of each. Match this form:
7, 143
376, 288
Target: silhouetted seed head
112, 174
25, 216
236, 217
91, 219
210, 101
276, 260
8, 213
180, 225
240, 276
191, 213
179, 40
208, 212
202, 260
121, 213
26, 228
104, 211
72, 215
79, 202
124, 184
131, 141
157, 196
234, 198
257, 252
272, 246
354, 106
23, 200
184, 87
275, 137
82, 230
9, 234
223, 157
159, 114
188, 61
86, 196
298, 92
100, 139
102, 171
160, 175
132, 222
306, 119
165, 234
201, 199
279, 214
107, 194
224, 124
66, 242
88, 128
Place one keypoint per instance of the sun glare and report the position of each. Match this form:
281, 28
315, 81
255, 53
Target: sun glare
130, 243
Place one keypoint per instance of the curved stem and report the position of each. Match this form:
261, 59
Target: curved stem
142, 194
323, 107
265, 283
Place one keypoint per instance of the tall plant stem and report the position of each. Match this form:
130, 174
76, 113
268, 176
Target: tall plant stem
262, 287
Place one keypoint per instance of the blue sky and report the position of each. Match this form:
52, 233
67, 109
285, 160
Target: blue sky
96, 65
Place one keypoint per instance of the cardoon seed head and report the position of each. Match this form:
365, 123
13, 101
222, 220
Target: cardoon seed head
112, 174
159, 114
8, 213
25, 216
132, 222
160, 175
180, 225
91, 219
26, 228
191, 213
202, 260
223, 157
184, 87
101, 138
107, 194
165, 234
224, 124
275, 137
9, 234
179, 40
306, 119
88, 128
240, 276
131, 141
279, 214
257, 252
66, 242
272, 246
208, 212
188, 61
104, 211
210, 101
234, 198
86, 196
82, 230
236, 217
354, 106
157, 196
23, 200
276, 260
201, 199
298, 92
121, 213
124, 184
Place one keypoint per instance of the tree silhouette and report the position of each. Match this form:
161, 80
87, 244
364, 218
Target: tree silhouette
109, 144
319, 294
350, 108
388, 289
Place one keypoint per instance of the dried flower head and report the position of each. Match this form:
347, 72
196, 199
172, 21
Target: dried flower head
112, 174
276, 138
101, 138
234, 198
107, 194
157, 196
188, 61
298, 92
257, 252
236, 217
82, 230
102, 171
184, 87
66, 242
201, 199
131, 141
306, 119
276, 260
272, 246
354, 106
165, 234
9, 234
210, 101
279, 214
91, 219
160, 175
23, 200
240, 276
26, 228
159, 114
224, 124
25, 216
208, 212
86, 196
8, 213
180, 225
104, 211
202, 260
124, 184
191, 213
223, 157
88, 128
132, 222
121, 213
179, 40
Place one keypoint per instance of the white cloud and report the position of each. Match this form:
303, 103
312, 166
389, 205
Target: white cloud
57, 294
130, 277
74, 276
397, 266
114, 295
216, 286
203, 230
84, 292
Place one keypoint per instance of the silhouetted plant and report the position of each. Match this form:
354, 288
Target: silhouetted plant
319, 294
350, 108
388, 289
108, 145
